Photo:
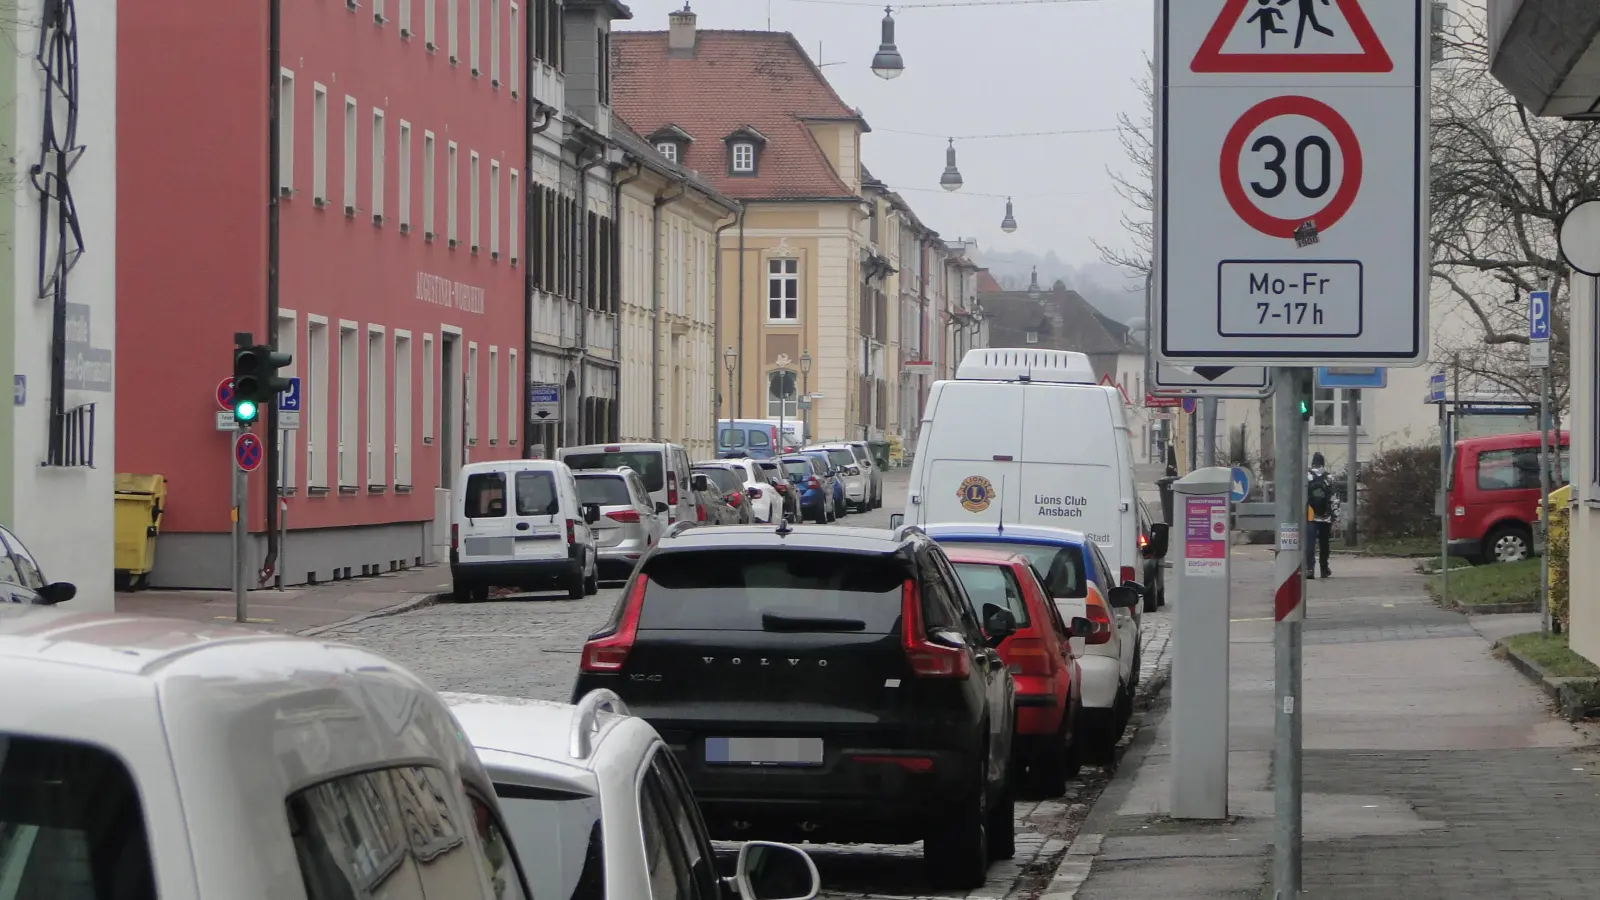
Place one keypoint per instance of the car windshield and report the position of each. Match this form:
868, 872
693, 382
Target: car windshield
606, 490
1061, 564
558, 838
842, 457
646, 462
772, 590
994, 583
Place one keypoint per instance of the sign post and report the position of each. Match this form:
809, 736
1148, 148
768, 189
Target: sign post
247, 456
1200, 647
1539, 358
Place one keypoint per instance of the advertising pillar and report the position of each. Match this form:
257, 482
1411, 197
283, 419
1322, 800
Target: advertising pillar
1200, 646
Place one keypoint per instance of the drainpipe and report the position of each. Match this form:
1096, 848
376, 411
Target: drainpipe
735, 409
534, 109
716, 321
274, 31
635, 172
581, 278
655, 307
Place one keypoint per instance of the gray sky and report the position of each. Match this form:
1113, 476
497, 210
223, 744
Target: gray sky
974, 71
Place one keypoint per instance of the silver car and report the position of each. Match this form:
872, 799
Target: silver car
857, 481
630, 522
863, 452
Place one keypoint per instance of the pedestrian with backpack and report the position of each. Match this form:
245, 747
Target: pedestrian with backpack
1320, 513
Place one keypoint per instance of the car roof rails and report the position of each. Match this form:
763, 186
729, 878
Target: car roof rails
678, 528
586, 720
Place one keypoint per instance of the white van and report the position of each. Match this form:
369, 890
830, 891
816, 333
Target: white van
1029, 437
664, 468
154, 758
518, 523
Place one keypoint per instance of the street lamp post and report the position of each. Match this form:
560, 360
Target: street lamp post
730, 359
805, 392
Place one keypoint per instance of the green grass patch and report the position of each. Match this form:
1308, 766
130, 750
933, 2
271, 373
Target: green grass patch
1552, 654
1494, 583
1406, 546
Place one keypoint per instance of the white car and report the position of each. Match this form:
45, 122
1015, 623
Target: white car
766, 504
598, 809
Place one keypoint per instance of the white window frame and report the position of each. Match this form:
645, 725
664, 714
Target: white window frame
404, 176
494, 44
475, 35
494, 209
470, 414
494, 395
516, 47
1320, 402
513, 219
405, 18
286, 132
404, 432
452, 20
377, 444
377, 12
783, 277
451, 191
319, 144
474, 184
349, 402
350, 110
378, 149
430, 30
513, 401
427, 388
288, 342
428, 187
744, 157
668, 150
314, 402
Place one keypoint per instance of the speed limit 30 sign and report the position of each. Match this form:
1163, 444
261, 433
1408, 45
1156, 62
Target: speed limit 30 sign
1291, 181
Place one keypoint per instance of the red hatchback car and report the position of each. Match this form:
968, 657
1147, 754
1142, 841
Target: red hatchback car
1039, 655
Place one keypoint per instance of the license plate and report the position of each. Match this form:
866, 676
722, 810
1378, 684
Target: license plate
533, 547
764, 751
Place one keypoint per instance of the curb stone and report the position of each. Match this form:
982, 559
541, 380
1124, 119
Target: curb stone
1074, 868
1575, 697
405, 606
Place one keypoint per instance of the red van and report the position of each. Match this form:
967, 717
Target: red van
1493, 492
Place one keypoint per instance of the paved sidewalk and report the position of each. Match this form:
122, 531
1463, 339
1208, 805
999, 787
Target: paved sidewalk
1432, 770
301, 609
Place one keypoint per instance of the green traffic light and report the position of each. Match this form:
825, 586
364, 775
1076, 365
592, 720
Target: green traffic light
245, 411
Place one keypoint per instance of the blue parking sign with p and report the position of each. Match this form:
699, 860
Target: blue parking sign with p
1539, 316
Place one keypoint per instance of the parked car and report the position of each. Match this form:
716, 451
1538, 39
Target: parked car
1083, 585
629, 522
663, 467
873, 470
754, 438
775, 473
519, 523
146, 754
811, 481
822, 684
21, 581
764, 501
856, 481
1493, 490
831, 479
725, 494
599, 810
1153, 540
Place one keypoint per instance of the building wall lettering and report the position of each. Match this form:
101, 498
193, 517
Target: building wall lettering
441, 291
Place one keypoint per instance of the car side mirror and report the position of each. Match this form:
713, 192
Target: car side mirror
1125, 596
896, 520
768, 871
661, 507
998, 623
1160, 539
59, 592
698, 483
591, 513
1080, 627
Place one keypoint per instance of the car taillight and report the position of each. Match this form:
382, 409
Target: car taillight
700, 513
624, 515
572, 532
1028, 656
455, 537
1128, 574
927, 659
813, 483
1100, 617
781, 487
609, 652
672, 489
1144, 540
735, 498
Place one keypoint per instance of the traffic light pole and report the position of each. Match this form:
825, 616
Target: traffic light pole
241, 500
1291, 406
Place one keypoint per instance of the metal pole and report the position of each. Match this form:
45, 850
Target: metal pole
1350, 465
1444, 506
241, 490
1194, 439
1208, 447
1544, 499
283, 541
1289, 612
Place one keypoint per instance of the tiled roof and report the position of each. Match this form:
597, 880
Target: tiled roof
646, 153
987, 284
735, 79
1082, 327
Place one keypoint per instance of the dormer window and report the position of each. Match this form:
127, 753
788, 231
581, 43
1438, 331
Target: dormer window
668, 149
671, 142
744, 157
744, 150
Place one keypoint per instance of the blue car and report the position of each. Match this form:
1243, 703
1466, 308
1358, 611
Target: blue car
810, 480
831, 478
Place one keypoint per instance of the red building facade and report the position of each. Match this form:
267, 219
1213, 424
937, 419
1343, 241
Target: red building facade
400, 288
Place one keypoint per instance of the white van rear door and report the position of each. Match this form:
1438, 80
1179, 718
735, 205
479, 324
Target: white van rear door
541, 517
486, 525
1069, 471
971, 452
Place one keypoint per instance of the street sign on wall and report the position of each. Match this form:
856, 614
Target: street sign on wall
1291, 192
1353, 377
544, 402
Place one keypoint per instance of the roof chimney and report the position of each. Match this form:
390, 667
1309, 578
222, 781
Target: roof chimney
681, 34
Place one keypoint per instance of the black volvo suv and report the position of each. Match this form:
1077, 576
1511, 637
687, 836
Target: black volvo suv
825, 684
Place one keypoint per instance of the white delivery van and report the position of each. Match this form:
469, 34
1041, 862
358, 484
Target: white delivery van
519, 524
1029, 437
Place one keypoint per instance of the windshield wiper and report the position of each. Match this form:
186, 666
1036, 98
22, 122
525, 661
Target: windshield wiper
783, 622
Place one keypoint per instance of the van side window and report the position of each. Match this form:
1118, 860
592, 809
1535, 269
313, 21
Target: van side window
536, 494
759, 438
486, 495
1518, 469
71, 824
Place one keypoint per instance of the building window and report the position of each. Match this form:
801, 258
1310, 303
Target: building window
513, 205
472, 207
1330, 407
405, 175
744, 158
452, 27
471, 410
430, 33
494, 42
314, 403
319, 144
286, 133
349, 156
783, 290
494, 208
513, 404
604, 41
377, 12
427, 389
349, 405
783, 399
516, 45
405, 18
402, 409
668, 149
494, 395
451, 178
377, 165
547, 32
427, 184
1033, 337
377, 409
286, 343
474, 37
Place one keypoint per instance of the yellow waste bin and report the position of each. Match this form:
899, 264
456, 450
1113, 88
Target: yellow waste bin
140, 501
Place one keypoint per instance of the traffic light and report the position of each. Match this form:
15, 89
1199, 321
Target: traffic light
1303, 398
256, 381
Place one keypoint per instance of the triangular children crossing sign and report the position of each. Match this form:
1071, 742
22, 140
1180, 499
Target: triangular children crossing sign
1301, 37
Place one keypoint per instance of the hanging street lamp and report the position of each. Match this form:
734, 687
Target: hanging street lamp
1009, 223
887, 64
951, 179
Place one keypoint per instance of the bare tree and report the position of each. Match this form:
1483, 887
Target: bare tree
1136, 185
